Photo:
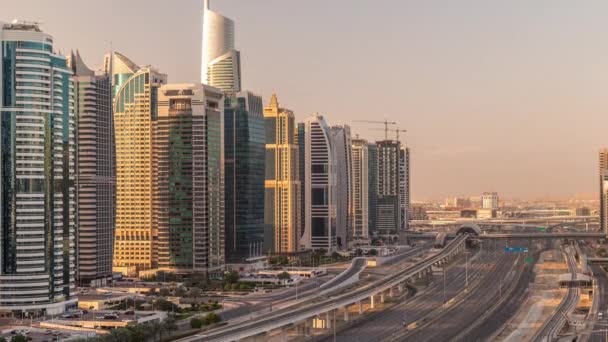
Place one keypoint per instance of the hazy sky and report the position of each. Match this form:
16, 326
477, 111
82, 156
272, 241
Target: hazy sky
508, 96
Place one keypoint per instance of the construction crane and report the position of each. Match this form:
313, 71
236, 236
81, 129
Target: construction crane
396, 130
385, 123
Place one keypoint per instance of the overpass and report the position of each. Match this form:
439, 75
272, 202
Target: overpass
321, 310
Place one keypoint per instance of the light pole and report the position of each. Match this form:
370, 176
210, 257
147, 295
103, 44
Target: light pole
444, 297
466, 272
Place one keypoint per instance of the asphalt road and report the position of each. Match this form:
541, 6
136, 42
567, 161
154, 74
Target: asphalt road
382, 324
552, 327
600, 333
451, 321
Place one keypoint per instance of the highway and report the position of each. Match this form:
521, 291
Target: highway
600, 333
252, 305
553, 326
503, 310
467, 311
287, 316
383, 323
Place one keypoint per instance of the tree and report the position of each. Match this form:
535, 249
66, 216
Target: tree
196, 323
372, 252
195, 292
335, 255
358, 252
601, 252
19, 338
211, 318
231, 277
167, 325
2, 339
164, 292
180, 292
284, 276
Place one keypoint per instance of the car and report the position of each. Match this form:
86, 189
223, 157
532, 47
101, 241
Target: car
110, 316
130, 312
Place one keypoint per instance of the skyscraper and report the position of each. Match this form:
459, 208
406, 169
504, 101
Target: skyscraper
135, 114
360, 173
344, 187
189, 206
37, 270
603, 173
388, 206
221, 64
282, 187
95, 181
244, 146
320, 191
404, 186
300, 140
372, 193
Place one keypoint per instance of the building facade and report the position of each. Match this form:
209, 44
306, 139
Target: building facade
244, 163
603, 175
489, 200
360, 172
135, 115
221, 64
404, 186
95, 180
320, 232
189, 206
37, 257
301, 141
372, 192
344, 187
389, 188
282, 186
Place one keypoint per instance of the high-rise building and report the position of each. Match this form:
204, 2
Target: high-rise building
372, 192
389, 189
37, 226
282, 187
300, 140
404, 186
95, 181
489, 200
244, 163
360, 173
221, 64
135, 115
189, 206
344, 187
603, 173
320, 191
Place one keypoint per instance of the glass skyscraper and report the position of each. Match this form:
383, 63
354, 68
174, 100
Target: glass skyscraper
372, 193
95, 181
37, 269
244, 164
189, 206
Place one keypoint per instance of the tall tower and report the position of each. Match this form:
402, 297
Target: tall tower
244, 152
360, 173
282, 187
388, 206
221, 63
189, 206
603, 173
37, 172
135, 115
404, 186
344, 205
95, 180
320, 192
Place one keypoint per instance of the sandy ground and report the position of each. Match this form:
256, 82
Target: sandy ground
545, 295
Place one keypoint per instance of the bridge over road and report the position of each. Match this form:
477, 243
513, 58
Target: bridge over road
300, 315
